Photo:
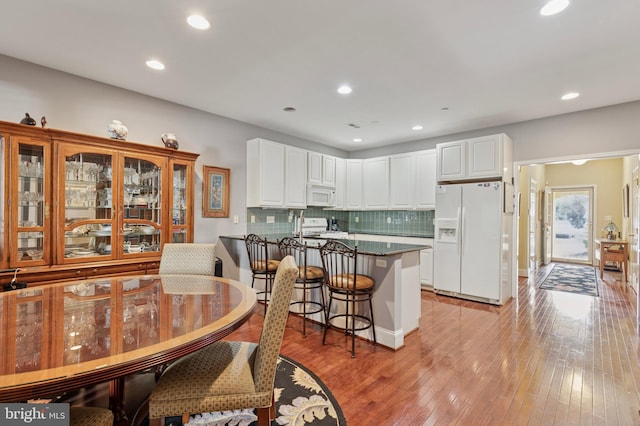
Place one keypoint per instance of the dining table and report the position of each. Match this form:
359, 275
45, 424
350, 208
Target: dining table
61, 337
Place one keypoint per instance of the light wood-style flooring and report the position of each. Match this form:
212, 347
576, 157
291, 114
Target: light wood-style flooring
549, 358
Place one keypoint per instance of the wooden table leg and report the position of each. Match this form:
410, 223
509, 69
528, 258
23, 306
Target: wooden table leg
116, 402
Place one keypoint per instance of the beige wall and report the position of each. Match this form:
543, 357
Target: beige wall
605, 175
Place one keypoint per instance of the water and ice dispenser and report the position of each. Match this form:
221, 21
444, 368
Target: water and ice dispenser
446, 230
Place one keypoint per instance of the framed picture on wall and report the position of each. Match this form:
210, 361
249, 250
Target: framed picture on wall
215, 192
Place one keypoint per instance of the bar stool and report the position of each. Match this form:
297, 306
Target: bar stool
309, 278
261, 266
340, 263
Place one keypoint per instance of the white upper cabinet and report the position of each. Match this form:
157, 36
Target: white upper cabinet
425, 183
353, 186
341, 182
322, 169
295, 189
273, 170
375, 183
482, 158
402, 181
452, 160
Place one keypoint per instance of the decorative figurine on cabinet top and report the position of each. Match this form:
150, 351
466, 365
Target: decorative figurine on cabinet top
169, 140
43, 121
117, 130
28, 120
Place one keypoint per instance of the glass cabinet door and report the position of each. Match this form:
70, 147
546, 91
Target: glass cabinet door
142, 197
87, 205
30, 198
181, 202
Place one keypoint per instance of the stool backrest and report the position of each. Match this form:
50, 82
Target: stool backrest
292, 247
258, 251
340, 263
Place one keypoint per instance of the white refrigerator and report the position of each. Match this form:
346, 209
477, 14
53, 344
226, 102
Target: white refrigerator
472, 241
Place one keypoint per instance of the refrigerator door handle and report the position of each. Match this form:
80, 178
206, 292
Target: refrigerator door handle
460, 221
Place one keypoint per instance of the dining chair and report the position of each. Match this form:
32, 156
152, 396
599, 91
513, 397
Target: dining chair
262, 266
188, 258
229, 375
310, 278
90, 416
347, 286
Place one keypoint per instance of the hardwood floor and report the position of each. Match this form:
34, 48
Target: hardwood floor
549, 358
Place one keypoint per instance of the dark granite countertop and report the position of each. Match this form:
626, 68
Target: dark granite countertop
371, 248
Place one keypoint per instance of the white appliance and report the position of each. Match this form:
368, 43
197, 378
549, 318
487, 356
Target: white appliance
472, 241
321, 195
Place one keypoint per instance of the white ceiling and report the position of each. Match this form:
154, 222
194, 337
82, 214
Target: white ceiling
489, 62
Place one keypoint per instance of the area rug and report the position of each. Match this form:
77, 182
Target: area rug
577, 279
301, 399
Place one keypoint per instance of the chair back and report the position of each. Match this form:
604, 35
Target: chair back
290, 246
188, 258
340, 264
258, 250
264, 370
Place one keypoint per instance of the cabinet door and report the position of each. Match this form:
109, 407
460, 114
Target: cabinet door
295, 172
402, 181
315, 168
143, 190
484, 157
375, 178
353, 193
30, 202
341, 182
425, 179
181, 196
451, 164
265, 173
426, 267
86, 215
328, 170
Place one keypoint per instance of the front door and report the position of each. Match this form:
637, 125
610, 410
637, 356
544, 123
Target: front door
571, 226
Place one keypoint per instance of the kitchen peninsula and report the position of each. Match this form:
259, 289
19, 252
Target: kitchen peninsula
395, 267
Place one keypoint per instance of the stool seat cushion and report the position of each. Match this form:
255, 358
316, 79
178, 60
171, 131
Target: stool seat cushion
216, 378
345, 282
270, 266
313, 272
91, 416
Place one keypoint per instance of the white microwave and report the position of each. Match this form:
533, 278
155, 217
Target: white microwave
319, 195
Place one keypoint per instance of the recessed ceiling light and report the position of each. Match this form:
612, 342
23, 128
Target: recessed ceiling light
344, 89
417, 127
155, 64
289, 109
357, 139
198, 22
444, 109
569, 96
554, 6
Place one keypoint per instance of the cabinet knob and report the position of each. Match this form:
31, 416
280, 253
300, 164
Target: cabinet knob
79, 272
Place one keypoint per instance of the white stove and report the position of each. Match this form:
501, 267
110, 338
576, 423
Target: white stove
317, 227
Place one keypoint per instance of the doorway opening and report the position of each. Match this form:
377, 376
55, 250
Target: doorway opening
571, 224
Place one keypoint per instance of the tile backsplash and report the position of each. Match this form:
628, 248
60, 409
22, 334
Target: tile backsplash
417, 223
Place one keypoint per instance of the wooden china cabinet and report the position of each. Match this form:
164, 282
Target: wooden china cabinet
79, 206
